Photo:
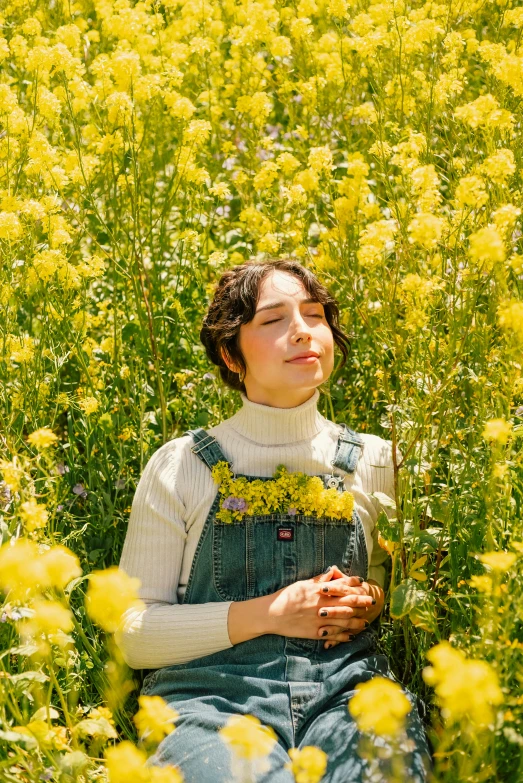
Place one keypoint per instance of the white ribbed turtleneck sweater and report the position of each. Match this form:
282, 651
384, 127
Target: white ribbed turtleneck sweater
172, 501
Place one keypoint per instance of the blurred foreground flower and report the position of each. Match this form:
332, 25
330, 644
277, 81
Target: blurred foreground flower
24, 567
247, 737
498, 430
154, 718
464, 688
380, 705
110, 593
498, 561
126, 762
308, 764
50, 622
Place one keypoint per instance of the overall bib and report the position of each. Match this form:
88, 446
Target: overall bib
292, 684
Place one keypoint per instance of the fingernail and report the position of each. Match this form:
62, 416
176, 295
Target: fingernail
324, 633
324, 613
361, 580
373, 601
327, 645
326, 590
350, 638
366, 623
327, 569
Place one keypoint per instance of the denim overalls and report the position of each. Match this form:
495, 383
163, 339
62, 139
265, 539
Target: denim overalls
293, 685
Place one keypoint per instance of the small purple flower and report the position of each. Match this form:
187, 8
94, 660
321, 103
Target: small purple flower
3, 617
47, 775
79, 489
119, 483
61, 469
208, 376
60, 507
292, 511
234, 504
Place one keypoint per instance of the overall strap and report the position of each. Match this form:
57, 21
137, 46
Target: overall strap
206, 447
348, 450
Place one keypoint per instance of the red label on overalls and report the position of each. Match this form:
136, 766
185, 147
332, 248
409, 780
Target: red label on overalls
285, 534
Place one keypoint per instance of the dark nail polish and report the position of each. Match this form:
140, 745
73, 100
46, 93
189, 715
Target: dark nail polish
324, 633
350, 638
373, 601
327, 645
361, 580
326, 589
324, 613
366, 623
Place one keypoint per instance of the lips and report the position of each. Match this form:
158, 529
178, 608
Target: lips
305, 355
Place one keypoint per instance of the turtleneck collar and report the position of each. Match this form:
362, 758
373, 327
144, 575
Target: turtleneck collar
276, 426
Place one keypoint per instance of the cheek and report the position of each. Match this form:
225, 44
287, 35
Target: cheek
261, 348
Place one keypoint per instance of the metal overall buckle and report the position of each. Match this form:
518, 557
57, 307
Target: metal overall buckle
333, 482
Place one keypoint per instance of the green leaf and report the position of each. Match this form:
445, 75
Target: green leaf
388, 527
405, 597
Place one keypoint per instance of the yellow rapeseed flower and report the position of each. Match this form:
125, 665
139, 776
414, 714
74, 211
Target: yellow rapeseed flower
34, 515
498, 430
154, 718
487, 245
466, 689
42, 438
61, 565
247, 737
482, 583
110, 593
380, 706
126, 762
48, 619
498, 561
510, 318
308, 764
12, 473
89, 405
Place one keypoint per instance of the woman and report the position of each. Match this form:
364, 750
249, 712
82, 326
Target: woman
274, 615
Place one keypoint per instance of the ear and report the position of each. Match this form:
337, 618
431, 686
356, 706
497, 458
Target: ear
226, 359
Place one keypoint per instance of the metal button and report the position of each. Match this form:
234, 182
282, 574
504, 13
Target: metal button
333, 482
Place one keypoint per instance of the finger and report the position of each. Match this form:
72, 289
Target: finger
361, 601
325, 577
340, 614
355, 625
339, 574
339, 588
332, 643
331, 632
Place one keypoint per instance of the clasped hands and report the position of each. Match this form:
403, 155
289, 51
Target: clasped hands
353, 612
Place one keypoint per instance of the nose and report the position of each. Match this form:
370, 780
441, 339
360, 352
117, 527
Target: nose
300, 329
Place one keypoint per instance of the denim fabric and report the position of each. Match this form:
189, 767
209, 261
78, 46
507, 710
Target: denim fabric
293, 685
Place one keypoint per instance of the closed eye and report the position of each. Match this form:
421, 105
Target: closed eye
312, 315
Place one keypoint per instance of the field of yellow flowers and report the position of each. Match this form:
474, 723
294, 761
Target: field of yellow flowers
144, 148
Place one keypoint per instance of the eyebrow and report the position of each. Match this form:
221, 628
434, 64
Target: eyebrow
274, 305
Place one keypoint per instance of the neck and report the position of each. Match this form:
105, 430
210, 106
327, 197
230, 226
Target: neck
275, 426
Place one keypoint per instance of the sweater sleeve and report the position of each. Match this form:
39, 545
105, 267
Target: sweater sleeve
384, 482
165, 632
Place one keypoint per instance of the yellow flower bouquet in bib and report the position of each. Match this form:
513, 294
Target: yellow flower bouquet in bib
285, 493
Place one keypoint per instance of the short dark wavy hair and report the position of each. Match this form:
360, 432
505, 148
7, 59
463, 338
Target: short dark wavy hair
234, 303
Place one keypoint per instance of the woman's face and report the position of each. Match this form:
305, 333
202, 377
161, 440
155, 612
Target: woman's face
286, 325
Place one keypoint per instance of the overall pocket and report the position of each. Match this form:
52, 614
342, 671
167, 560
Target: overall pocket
261, 554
